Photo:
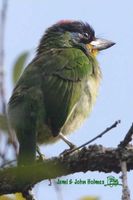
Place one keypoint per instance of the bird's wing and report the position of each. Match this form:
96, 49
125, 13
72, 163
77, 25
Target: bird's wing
63, 74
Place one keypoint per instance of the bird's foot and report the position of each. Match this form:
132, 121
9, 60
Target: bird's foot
70, 144
68, 151
40, 156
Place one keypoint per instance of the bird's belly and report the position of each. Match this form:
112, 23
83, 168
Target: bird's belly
83, 107
79, 113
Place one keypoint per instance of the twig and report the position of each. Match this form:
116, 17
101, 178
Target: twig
2, 53
98, 136
8, 163
3, 14
123, 163
127, 138
125, 189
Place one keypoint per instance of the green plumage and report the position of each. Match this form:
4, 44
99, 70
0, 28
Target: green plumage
54, 94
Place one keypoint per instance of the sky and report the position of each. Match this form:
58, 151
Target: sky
26, 23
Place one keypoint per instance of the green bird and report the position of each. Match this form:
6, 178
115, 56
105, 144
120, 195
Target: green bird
58, 89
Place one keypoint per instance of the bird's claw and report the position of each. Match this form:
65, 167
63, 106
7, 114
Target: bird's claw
40, 156
68, 151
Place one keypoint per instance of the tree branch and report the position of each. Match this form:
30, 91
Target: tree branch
127, 138
114, 125
122, 148
125, 189
2, 53
93, 158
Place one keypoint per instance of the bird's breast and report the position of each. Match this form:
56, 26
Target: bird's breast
80, 111
84, 106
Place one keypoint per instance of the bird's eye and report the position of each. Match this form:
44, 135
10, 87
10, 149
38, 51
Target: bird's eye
86, 35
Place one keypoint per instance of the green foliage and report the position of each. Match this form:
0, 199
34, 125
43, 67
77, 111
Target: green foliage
6, 197
3, 123
17, 196
19, 65
89, 198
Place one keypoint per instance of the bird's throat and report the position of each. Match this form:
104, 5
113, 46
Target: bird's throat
93, 52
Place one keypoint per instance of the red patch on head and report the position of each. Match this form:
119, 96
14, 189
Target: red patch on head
65, 22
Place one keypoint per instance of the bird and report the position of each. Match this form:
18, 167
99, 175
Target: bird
57, 90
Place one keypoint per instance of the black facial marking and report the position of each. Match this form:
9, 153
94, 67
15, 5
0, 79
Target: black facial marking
74, 26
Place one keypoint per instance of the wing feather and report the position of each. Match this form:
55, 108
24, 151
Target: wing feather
63, 77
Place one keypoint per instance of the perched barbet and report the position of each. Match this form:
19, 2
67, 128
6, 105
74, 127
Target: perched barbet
58, 89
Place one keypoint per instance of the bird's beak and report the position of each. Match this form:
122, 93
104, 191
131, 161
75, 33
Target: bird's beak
101, 44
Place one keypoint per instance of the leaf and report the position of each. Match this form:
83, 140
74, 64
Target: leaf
89, 198
19, 196
19, 65
16, 196
3, 123
5, 197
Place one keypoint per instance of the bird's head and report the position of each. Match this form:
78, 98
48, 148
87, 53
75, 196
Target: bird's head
67, 33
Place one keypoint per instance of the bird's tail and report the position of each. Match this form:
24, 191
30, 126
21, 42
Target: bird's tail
27, 145
23, 119
25, 107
